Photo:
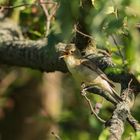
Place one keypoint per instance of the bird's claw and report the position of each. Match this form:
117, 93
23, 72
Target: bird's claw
83, 89
83, 92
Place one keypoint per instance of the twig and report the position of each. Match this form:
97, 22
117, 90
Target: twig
17, 6
56, 136
76, 30
23, 5
129, 84
119, 50
49, 13
91, 108
125, 96
116, 9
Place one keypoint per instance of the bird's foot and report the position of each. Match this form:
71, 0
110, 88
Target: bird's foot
83, 89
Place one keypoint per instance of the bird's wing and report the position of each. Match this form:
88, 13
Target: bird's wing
94, 67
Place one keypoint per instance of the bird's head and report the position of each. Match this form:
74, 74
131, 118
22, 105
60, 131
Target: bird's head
69, 50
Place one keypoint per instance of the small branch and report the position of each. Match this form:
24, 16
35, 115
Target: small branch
17, 6
47, 17
129, 84
83, 93
23, 5
49, 13
44, 8
92, 109
76, 30
56, 136
119, 50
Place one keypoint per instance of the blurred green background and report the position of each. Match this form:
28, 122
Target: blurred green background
34, 104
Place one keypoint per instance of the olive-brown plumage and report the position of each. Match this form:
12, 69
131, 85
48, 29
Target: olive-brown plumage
83, 70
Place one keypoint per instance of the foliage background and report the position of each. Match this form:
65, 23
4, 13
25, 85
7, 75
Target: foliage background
24, 113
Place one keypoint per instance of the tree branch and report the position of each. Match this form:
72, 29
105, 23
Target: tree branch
121, 114
14, 50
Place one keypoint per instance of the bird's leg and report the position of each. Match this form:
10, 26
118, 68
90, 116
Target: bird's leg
98, 105
83, 88
94, 110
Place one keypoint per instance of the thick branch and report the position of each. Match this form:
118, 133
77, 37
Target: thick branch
14, 50
120, 115
33, 54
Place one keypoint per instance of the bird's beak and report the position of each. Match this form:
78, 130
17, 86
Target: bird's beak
63, 54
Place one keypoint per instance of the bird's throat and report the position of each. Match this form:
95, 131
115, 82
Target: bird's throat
71, 61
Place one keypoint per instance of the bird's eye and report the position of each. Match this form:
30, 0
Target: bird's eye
66, 53
71, 51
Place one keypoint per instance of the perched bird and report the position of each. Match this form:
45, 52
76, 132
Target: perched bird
85, 71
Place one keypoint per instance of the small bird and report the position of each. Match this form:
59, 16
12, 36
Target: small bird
85, 71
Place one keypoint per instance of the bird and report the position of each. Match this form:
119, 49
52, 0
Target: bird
85, 71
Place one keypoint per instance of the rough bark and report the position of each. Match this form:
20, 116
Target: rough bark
16, 51
120, 115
